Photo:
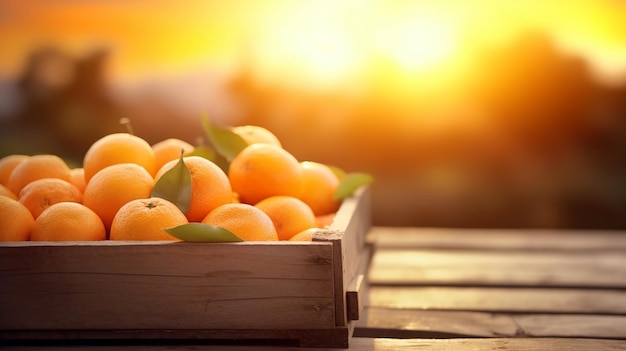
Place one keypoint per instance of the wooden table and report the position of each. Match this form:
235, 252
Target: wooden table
449, 289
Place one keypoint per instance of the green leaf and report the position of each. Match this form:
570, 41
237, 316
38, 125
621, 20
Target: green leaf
175, 186
350, 182
340, 173
211, 155
202, 233
205, 152
226, 142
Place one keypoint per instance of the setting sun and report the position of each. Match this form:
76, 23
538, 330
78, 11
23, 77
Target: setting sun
419, 43
306, 44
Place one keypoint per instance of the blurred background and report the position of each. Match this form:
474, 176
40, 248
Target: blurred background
507, 114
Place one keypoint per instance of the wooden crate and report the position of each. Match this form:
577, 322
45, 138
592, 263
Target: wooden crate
308, 293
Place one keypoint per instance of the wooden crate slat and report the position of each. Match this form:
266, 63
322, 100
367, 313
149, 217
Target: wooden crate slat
140, 286
347, 234
183, 338
598, 269
489, 299
357, 292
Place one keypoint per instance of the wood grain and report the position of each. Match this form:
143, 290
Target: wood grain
404, 323
498, 239
605, 269
357, 293
347, 234
180, 285
380, 344
488, 299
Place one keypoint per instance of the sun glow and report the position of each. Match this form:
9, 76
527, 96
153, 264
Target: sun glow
311, 43
306, 42
420, 43
324, 48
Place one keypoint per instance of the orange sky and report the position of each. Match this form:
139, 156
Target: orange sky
320, 41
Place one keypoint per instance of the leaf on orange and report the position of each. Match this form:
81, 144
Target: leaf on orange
202, 233
175, 186
350, 182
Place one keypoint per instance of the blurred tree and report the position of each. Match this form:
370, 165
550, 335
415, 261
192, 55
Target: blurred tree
65, 105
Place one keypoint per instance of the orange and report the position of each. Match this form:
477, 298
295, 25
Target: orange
305, 235
255, 134
4, 191
16, 222
43, 193
38, 167
289, 215
319, 183
170, 149
246, 221
264, 170
114, 186
68, 221
7, 164
324, 220
118, 148
210, 187
78, 178
144, 219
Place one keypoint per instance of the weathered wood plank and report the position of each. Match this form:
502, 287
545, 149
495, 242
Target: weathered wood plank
357, 293
319, 338
405, 323
169, 286
382, 344
498, 239
347, 234
596, 269
489, 299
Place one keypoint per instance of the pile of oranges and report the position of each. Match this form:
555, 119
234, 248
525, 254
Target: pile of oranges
264, 193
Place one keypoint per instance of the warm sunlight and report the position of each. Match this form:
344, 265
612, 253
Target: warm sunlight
419, 43
306, 42
314, 44
464, 107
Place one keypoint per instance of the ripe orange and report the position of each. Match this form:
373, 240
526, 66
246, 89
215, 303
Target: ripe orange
68, 221
4, 191
324, 220
114, 186
7, 164
118, 148
264, 170
16, 222
78, 178
256, 134
305, 235
246, 221
38, 167
319, 183
43, 193
170, 149
289, 215
210, 187
144, 219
